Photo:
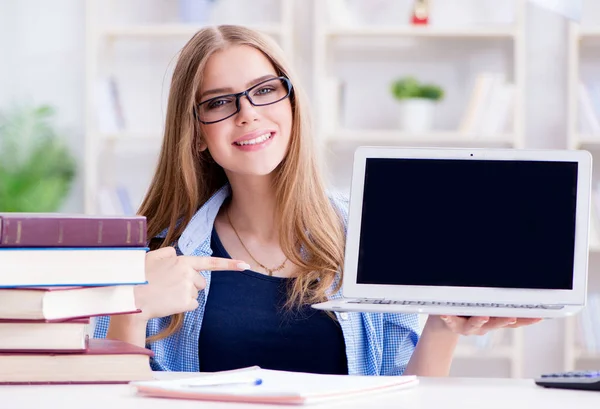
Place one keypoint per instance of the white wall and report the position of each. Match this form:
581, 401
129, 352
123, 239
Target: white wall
42, 59
6, 48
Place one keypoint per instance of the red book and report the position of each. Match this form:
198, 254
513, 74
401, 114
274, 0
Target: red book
71, 230
105, 361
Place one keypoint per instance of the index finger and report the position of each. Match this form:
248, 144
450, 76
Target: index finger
200, 263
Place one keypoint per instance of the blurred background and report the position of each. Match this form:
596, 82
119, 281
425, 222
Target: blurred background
84, 84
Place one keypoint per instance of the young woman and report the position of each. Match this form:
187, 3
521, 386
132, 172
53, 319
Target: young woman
237, 189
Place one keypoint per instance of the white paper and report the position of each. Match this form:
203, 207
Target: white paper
570, 9
312, 388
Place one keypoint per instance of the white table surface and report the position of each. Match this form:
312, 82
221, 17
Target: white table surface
435, 393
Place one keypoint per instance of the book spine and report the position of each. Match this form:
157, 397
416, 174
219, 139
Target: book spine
69, 232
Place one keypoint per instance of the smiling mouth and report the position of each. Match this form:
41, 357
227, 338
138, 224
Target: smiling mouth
258, 140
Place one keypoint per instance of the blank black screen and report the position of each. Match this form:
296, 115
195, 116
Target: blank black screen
471, 223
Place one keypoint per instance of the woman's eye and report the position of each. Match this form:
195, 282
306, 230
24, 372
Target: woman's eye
264, 90
218, 103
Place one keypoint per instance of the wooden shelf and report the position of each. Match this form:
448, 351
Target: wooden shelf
410, 31
398, 137
582, 354
170, 30
587, 140
589, 32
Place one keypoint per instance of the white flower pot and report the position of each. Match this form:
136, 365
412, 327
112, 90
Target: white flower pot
417, 114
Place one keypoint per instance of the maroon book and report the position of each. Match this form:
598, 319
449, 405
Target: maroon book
71, 230
96, 346
105, 361
78, 320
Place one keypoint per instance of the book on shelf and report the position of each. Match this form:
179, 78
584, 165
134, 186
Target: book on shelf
64, 303
71, 230
257, 385
490, 106
594, 235
104, 361
109, 112
44, 337
588, 97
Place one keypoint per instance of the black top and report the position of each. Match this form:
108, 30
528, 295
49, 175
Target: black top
245, 324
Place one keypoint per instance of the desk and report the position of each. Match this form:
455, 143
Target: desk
434, 393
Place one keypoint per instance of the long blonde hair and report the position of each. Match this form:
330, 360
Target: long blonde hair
311, 232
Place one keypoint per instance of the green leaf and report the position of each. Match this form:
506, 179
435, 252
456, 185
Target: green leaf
36, 166
410, 87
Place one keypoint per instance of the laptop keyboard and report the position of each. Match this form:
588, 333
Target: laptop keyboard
457, 304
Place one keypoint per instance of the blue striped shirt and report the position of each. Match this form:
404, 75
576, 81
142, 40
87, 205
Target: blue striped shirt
376, 344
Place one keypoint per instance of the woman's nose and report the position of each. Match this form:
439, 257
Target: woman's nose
248, 112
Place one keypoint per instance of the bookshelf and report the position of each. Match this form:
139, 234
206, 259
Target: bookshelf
583, 133
334, 41
113, 29
577, 137
415, 31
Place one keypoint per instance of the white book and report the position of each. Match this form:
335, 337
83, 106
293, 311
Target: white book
108, 111
586, 107
478, 102
497, 115
62, 266
60, 303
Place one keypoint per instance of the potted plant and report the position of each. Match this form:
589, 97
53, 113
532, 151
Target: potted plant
36, 166
417, 103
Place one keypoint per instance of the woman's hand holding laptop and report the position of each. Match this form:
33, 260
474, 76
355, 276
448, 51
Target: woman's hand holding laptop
482, 325
435, 350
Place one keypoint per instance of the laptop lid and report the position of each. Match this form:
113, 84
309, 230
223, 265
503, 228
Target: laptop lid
469, 225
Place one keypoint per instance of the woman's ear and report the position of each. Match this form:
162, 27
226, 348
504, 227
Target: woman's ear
202, 146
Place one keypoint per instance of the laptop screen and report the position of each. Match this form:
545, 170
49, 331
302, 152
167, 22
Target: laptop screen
470, 223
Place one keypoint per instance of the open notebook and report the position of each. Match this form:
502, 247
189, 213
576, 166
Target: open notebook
257, 385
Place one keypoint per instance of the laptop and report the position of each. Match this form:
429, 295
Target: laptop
469, 232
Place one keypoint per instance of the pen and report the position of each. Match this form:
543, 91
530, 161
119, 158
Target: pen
232, 382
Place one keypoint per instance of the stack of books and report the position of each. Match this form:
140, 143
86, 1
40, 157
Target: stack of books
58, 271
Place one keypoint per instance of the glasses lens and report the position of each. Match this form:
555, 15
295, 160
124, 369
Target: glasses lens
269, 92
217, 108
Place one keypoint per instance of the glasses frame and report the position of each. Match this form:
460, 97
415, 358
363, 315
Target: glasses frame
248, 97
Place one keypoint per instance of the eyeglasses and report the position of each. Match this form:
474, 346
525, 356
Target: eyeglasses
264, 93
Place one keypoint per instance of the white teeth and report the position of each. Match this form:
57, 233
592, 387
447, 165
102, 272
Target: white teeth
256, 140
